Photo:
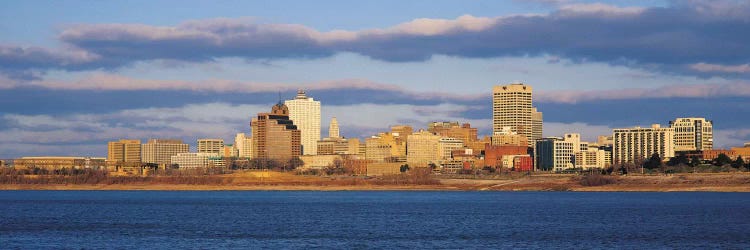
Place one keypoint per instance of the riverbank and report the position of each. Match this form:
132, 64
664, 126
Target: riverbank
700, 182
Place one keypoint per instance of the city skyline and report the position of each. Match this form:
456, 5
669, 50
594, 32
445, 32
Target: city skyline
70, 83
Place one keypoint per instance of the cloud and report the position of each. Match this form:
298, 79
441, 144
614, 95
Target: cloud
670, 39
736, 89
706, 67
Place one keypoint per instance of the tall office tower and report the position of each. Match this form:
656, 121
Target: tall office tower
124, 151
636, 144
305, 112
275, 136
333, 129
212, 146
511, 107
692, 134
537, 124
160, 151
244, 145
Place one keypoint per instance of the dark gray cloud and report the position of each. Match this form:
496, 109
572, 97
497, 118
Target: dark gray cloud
703, 38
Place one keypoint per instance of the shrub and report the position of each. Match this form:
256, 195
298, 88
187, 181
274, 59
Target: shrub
596, 180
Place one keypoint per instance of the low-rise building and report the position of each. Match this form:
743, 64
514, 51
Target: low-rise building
493, 155
714, 153
195, 160
383, 168
60, 162
319, 161
554, 154
743, 152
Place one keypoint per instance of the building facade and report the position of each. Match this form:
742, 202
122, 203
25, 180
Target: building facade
275, 136
554, 154
493, 155
537, 124
194, 160
211, 146
305, 113
333, 129
124, 151
512, 107
59, 162
509, 138
244, 145
632, 145
160, 151
692, 134
422, 149
446, 145
377, 149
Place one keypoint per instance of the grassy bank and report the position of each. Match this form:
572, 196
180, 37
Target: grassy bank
263, 180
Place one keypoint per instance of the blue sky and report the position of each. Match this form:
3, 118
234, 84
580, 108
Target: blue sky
76, 74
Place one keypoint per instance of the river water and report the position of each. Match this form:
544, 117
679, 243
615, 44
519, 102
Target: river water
372, 219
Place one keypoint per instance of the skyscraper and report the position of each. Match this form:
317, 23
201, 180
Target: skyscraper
124, 151
692, 134
305, 112
333, 129
274, 135
160, 151
512, 107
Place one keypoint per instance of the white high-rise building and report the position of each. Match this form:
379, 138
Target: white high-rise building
212, 146
244, 145
636, 144
511, 107
692, 134
333, 129
305, 113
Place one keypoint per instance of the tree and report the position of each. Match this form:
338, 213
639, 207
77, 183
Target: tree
680, 159
738, 163
404, 168
695, 161
722, 160
293, 163
653, 162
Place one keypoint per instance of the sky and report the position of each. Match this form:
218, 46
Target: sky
76, 74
